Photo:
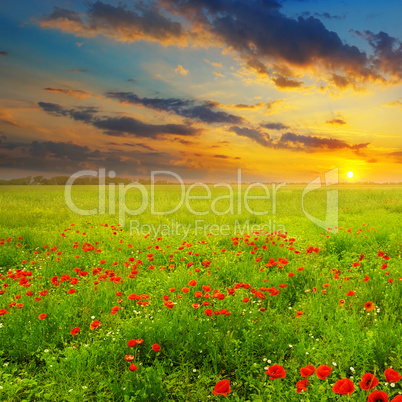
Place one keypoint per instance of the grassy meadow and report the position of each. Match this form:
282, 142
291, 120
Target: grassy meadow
202, 306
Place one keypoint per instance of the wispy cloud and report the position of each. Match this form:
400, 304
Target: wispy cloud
181, 70
121, 126
201, 111
77, 93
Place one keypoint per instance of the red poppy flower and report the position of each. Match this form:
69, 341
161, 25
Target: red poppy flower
169, 304
95, 324
42, 316
196, 305
392, 375
299, 313
369, 306
350, 293
140, 341
133, 367
323, 371
398, 398
368, 382
378, 396
156, 347
129, 358
246, 299
344, 387
75, 331
208, 312
222, 388
276, 371
301, 385
206, 288
307, 371
71, 291
185, 290
192, 283
131, 343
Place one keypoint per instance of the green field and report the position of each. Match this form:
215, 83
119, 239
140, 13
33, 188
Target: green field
288, 294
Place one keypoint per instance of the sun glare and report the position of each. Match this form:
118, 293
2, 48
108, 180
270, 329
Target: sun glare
350, 174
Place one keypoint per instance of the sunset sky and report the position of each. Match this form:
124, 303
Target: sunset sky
284, 90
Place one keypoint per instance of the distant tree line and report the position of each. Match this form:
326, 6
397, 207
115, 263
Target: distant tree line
62, 180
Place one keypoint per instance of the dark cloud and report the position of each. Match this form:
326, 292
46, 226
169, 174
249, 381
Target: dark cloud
204, 112
284, 82
5, 54
342, 81
145, 146
78, 70
53, 108
119, 126
62, 14
134, 81
62, 150
69, 157
118, 22
262, 34
306, 142
337, 121
254, 134
387, 52
257, 30
275, 126
128, 126
329, 16
295, 142
221, 156
82, 113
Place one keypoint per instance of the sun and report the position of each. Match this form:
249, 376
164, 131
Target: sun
350, 174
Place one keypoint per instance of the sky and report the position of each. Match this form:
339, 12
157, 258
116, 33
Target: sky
284, 90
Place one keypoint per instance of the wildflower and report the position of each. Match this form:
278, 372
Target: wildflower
344, 387
133, 367
307, 371
156, 347
368, 381
323, 371
222, 388
392, 375
129, 358
42, 316
369, 306
379, 396
75, 331
301, 385
95, 324
276, 371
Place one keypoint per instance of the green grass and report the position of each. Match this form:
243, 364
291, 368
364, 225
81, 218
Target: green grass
40, 360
